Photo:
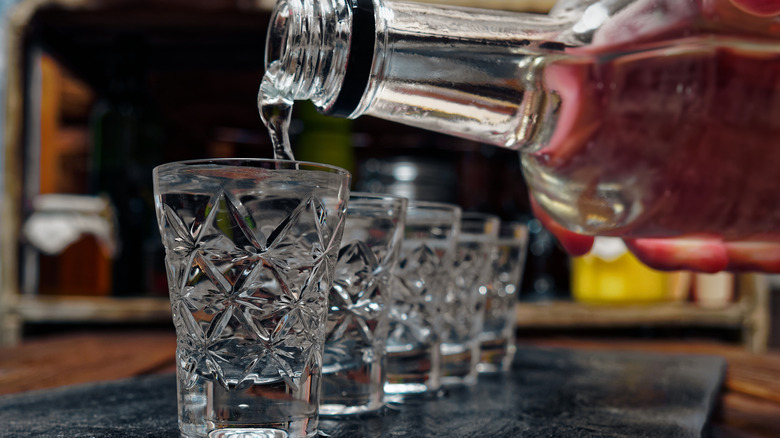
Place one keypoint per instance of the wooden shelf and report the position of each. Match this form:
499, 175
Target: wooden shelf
750, 314
40, 309
568, 314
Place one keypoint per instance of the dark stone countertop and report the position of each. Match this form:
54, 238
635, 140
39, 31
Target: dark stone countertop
549, 393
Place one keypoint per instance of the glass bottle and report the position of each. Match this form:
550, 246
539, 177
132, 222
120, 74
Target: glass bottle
127, 139
639, 118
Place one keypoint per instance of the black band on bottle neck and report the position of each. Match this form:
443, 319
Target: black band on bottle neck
361, 56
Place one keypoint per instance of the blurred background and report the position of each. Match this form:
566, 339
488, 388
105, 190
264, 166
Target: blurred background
97, 92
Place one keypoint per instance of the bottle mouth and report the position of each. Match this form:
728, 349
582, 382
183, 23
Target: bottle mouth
282, 21
322, 51
279, 42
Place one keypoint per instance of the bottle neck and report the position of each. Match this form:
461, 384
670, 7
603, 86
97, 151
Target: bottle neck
320, 50
471, 73
466, 72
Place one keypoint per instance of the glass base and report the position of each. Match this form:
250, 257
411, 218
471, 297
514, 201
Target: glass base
490, 368
467, 380
336, 410
496, 355
248, 433
245, 432
406, 388
458, 363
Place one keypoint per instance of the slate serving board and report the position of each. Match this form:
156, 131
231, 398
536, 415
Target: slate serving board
549, 393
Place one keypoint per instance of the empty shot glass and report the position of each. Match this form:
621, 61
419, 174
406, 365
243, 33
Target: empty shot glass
251, 246
464, 304
497, 338
353, 373
413, 357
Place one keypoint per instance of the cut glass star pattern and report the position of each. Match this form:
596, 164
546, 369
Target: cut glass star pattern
247, 297
356, 303
464, 303
414, 314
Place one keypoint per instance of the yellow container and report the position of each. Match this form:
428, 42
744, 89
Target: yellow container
610, 274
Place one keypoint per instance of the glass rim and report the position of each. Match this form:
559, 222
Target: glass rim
376, 196
433, 205
513, 225
475, 215
244, 162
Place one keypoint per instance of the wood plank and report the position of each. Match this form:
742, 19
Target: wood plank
81, 358
742, 416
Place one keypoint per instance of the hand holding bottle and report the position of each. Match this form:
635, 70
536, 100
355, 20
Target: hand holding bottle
758, 7
708, 251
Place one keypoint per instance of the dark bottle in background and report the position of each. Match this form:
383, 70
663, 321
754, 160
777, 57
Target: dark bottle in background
127, 142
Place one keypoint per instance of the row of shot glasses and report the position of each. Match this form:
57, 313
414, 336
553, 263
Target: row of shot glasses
423, 298
293, 299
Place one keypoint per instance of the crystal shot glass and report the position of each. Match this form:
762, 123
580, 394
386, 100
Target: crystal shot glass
354, 369
413, 356
464, 304
251, 247
497, 338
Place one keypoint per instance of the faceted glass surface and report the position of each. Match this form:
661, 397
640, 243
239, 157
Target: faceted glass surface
464, 305
356, 333
415, 314
498, 332
250, 253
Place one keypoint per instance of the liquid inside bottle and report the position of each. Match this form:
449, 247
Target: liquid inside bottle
664, 139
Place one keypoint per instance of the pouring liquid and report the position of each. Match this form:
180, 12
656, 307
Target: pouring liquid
275, 110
